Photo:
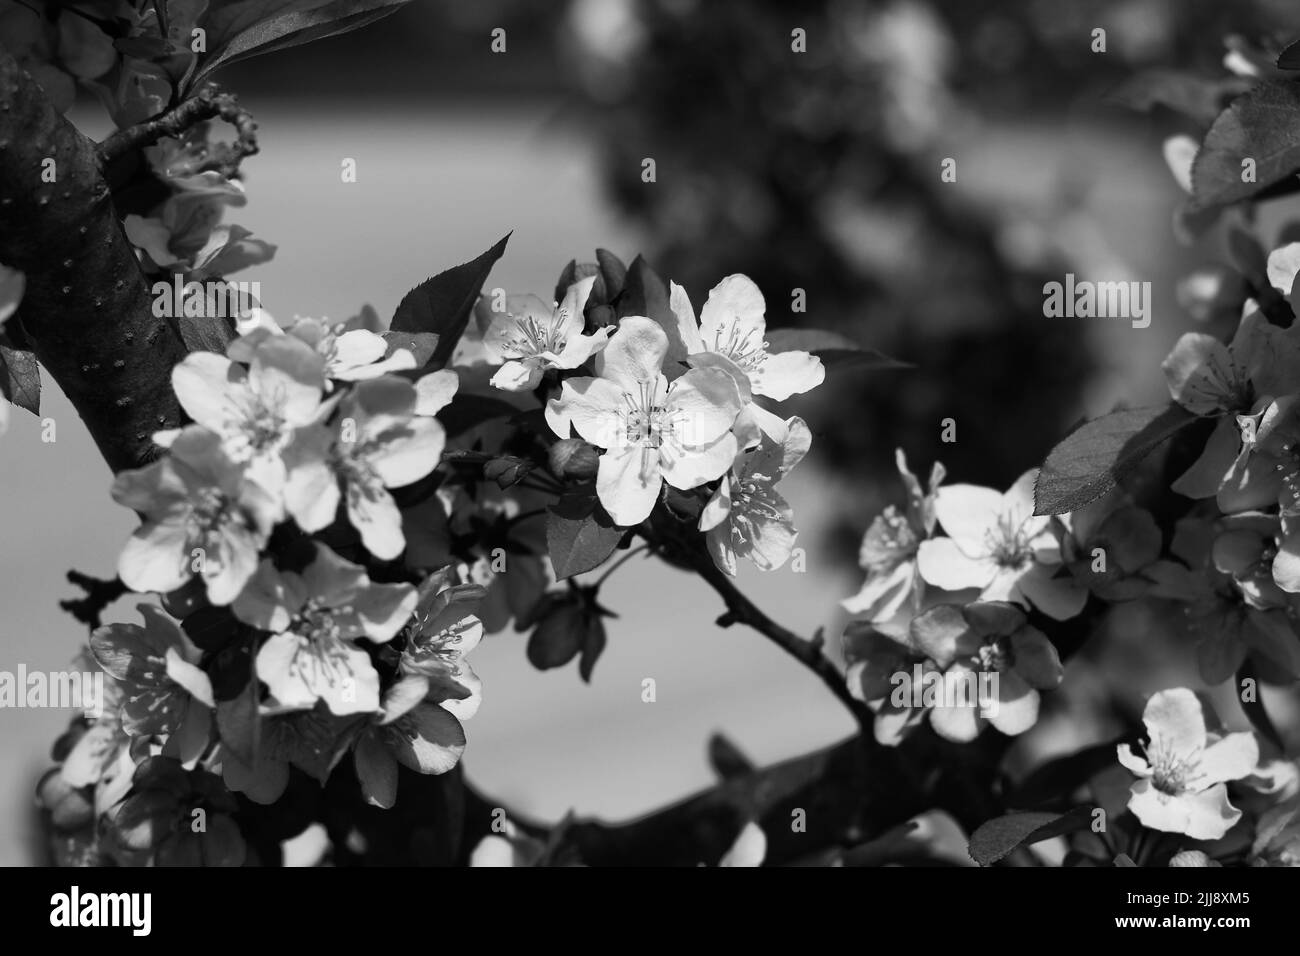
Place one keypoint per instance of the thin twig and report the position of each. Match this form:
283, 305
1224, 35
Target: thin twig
99, 595
207, 104
741, 610
620, 562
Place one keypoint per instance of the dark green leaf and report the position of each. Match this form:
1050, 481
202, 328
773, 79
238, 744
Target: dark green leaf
727, 760
420, 344
644, 293
244, 28
835, 350
612, 271
212, 628
428, 536
443, 304
468, 410
593, 645
995, 839
1289, 59
1245, 252
189, 598
238, 723
579, 535
507, 470
230, 669
312, 740
685, 505
560, 634
568, 276
143, 47
20, 379
1195, 97
1058, 778
1262, 124
1099, 453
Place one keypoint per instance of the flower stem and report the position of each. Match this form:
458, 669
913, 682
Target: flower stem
620, 562
207, 104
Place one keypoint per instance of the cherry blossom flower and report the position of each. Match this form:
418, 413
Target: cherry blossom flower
494, 519
202, 514
530, 337
1246, 385
875, 653
889, 547
435, 391
652, 431
729, 336
99, 753
1233, 606
746, 515
255, 411
165, 693
445, 629
1107, 544
997, 544
155, 824
1194, 858
56, 50
376, 442
350, 351
314, 618
987, 638
1209, 378
510, 847
1180, 152
749, 849
1184, 769
312, 740
413, 731
186, 234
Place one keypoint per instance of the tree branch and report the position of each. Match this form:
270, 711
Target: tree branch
208, 103
99, 594
741, 610
87, 312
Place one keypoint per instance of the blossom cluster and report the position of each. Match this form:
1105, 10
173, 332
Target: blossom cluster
278, 524
672, 402
966, 585
298, 436
185, 232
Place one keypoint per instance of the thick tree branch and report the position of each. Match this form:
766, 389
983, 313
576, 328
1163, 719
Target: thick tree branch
87, 312
208, 103
839, 789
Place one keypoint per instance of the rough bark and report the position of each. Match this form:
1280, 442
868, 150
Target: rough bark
87, 312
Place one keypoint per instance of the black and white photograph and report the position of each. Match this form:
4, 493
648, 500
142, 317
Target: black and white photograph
837, 434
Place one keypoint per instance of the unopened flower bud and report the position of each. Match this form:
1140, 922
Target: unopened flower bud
573, 458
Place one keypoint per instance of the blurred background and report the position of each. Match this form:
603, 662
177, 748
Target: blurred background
817, 170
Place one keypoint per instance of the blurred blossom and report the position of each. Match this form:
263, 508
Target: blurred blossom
605, 34
910, 50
